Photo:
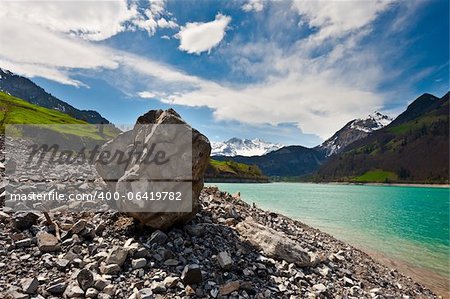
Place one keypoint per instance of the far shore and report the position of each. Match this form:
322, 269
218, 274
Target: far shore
335, 183
390, 184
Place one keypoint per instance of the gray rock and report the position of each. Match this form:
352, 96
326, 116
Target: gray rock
158, 237
73, 291
24, 243
191, 274
224, 260
145, 293
110, 269
117, 255
17, 295
91, 293
30, 285
24, 220
100, 283
171, 262
85, 279
57, 287
275, 244
78, 226
158, 287
319, 287
112, 174
138, 263
62, 264
47, 242
171, 281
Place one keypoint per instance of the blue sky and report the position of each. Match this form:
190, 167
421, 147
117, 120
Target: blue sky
292, 72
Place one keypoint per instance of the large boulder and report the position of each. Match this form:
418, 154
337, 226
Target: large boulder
275, 244
137, 176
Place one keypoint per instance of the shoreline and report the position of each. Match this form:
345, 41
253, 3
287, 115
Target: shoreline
436, 282
387, 184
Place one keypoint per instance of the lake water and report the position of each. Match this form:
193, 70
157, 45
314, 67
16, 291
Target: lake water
409, 224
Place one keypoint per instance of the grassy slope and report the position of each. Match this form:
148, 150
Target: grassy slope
231, 169
17, 111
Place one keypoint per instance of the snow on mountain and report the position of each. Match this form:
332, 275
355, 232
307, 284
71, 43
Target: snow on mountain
243, 147
354, 130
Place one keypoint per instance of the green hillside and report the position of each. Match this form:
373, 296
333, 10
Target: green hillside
17, 111
414, 148
230, 170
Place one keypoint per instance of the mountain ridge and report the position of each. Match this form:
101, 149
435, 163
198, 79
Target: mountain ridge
25, 89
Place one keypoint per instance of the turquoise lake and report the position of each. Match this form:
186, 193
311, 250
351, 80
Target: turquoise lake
410, 224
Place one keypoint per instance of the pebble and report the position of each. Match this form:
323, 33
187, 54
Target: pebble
138, 263
191, 274
30, 285
224, 260
47, 242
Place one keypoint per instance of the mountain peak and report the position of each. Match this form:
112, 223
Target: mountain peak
354, 130
243, 147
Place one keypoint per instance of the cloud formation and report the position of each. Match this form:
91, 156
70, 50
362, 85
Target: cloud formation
253, 5
318, 90
197, 37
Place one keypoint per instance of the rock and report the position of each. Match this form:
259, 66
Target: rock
138, 263
100, 283
17, 295
189, 291
158, 237
171, 281
229, 288
275, 244
57, 287
158, 287
224, 260
191, 274
117, 255
110, 269
47, 242
30, 285
348, 282
85, 279
171, 262
73, 291
319, 287
62, 264
112, 174
24, 243
109, 289
145, 293
24, 220
78, 226
91, 293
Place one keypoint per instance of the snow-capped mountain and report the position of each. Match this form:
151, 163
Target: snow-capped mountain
243, 147
354, 130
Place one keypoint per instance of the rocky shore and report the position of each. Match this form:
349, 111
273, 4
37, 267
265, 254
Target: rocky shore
229, 250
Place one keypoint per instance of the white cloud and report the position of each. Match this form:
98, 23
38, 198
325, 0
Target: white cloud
91, 20
155, 16
200, 37
333, 19
253, 5
319, 94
